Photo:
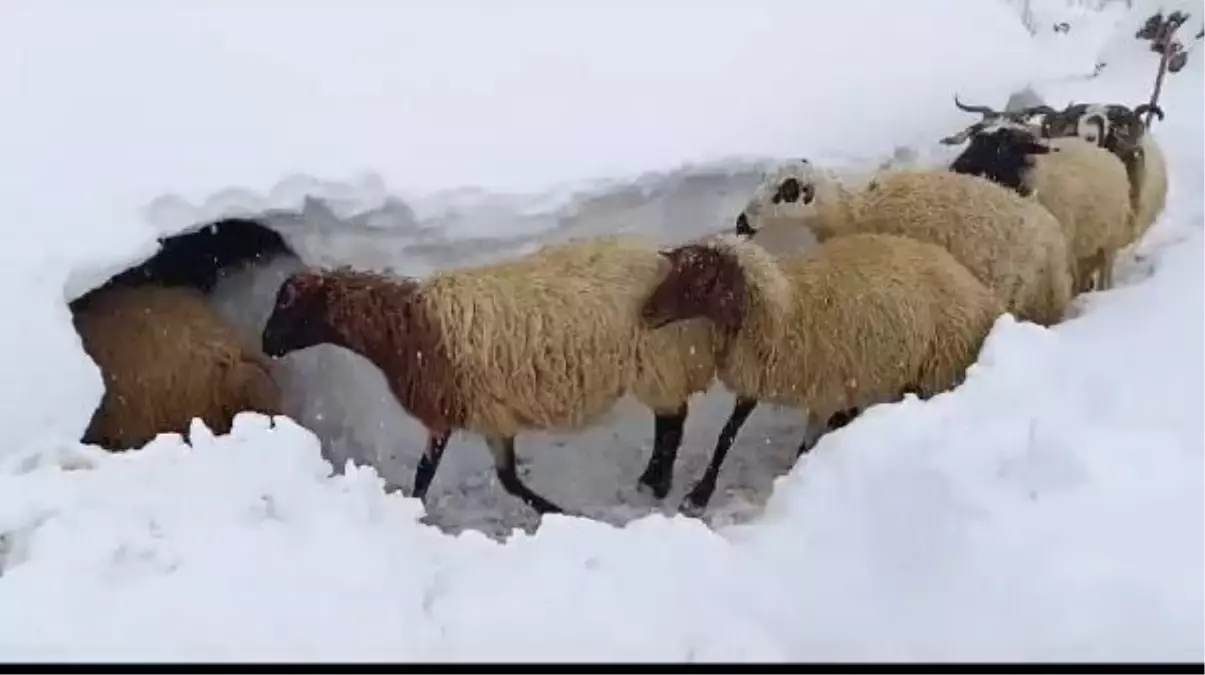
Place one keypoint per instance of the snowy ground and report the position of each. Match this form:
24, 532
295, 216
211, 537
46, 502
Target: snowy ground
1051, 507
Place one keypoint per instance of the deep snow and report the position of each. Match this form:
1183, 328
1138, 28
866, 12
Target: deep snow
1048, 508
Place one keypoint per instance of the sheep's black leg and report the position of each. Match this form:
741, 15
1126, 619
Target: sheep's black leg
429, 462
835, 421
503, 450
696, 500
841, 418
658, 476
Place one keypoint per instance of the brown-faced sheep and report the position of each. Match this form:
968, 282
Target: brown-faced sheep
1010, 243
550, 340
1122, 132
1082, 185
166, 357
858, 320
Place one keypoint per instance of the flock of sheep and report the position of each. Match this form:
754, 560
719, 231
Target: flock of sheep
911, 270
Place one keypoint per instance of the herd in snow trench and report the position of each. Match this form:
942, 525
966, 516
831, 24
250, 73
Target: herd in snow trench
911, 270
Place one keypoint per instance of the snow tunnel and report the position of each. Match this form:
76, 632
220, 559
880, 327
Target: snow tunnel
239, 264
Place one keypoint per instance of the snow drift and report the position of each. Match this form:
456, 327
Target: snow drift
1050, 508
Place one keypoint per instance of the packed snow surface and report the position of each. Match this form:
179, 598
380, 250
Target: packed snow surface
1048, 508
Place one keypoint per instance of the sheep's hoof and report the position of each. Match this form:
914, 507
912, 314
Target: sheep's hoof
691, 507
542, 506
657, 489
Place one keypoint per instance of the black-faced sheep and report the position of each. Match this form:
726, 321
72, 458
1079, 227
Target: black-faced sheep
550, 340
1082, 185
1122, 132
166, 357
1012, 244
858, 320
1021, 109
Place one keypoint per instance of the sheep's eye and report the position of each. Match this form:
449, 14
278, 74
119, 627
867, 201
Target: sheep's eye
788, 191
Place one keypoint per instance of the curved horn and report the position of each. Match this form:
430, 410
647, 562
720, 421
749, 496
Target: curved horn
981, 109
1149, 107
1039, 110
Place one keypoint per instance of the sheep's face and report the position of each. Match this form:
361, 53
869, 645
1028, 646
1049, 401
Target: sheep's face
702, 282
300, 316
789, 192
1064, 123
1002, 155
1114, 127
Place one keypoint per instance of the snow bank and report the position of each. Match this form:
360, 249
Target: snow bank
1050, 508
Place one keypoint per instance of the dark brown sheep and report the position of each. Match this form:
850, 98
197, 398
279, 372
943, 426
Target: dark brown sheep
547, 341
166, 356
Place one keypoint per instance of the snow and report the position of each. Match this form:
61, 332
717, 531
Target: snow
1049, 508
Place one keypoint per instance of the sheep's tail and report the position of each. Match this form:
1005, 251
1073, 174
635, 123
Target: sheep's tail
256, 387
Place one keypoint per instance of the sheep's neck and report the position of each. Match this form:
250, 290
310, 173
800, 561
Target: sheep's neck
391, 328
836, 212
361, 325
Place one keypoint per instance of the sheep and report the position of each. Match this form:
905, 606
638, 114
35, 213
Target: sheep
857, 320
551, 340
1022, 107
1121, 131
166, 357
1012, 244
1082, 185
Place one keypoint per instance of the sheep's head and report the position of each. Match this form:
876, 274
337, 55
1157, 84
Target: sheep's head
1112, 126
787, 192
1022, 119
1065, 122
1002, 155
703, 281
300, 317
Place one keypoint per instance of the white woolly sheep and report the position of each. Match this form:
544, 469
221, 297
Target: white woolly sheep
166, 357
1122, 131
1084, 186
1012, 244
858, 320
550, 340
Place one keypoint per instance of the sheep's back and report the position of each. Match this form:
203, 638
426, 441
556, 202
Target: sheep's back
166, 356
549, 340
1152, 191
1011, 244
1086, 188
872, 316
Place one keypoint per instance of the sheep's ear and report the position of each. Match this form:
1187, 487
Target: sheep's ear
958, 138
665, 252
286, 294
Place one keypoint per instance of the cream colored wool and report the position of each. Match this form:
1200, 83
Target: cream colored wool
1146, 166
166, 357
856, 321
553, 339
1010, 243
1086, 188
1152, 187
